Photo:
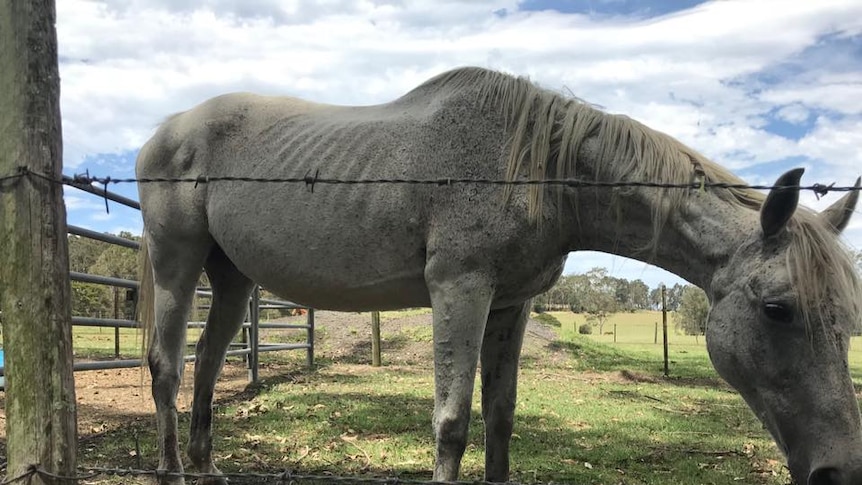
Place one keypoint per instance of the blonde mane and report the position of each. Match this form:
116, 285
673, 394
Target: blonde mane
547, 130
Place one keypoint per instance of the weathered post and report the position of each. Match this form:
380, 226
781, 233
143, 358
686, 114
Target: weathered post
664, 328
254, 336
375, 339
34, 289
116, 316
309, 339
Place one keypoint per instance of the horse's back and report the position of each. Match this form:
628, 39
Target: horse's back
339, 246
364, 244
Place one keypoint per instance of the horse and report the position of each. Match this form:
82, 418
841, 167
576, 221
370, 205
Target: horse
784, 292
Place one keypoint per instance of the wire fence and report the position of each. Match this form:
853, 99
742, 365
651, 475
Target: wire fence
86, 474
312, 179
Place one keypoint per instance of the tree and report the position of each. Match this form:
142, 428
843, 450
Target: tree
83, 253
96, 257
601, 301
86, 297
693, 311
88, 300
655, 298
639, 294
674, 297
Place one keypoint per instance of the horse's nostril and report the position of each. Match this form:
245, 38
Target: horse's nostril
825, 476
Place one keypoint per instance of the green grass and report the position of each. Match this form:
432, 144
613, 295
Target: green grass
99, 343
636, 333
602, 414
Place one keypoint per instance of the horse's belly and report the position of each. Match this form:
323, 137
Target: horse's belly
391, 294
325, 266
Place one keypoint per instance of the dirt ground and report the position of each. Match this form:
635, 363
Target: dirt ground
110, 399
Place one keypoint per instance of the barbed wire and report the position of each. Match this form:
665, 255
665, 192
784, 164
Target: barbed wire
312, 179
285, 477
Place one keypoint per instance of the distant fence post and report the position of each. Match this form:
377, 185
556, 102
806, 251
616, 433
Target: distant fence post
309, 339
35, 289
116, 317
375, 339
664, 328
655, 334
254, 335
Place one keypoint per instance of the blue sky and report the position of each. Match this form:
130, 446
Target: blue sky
759, 87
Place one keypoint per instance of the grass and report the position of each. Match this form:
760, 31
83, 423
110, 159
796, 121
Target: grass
600, 414
635, 333
99, 343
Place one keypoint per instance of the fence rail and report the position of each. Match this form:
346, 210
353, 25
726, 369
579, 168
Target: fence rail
250, 347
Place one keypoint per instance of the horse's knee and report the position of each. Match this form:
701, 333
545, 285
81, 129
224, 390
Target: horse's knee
165, 382
451, 432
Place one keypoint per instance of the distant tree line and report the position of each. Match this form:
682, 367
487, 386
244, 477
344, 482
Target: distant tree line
595, 289
600, 295
96, 257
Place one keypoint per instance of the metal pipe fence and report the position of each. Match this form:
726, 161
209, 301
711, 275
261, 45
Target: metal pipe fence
249, 348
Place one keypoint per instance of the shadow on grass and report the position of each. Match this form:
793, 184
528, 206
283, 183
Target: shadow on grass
691, 371
337, 432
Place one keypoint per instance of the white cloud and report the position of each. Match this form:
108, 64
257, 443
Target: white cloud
78, 203
712, 75
835, 143
844, 97
794, 113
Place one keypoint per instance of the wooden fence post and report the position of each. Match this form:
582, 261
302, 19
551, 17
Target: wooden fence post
664, 328
375, 339
34, 289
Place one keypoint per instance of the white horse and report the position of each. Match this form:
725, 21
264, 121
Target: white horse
784, 292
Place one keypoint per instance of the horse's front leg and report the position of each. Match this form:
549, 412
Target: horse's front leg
460, 310
501, 349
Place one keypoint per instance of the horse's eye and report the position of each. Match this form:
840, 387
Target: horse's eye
779, 312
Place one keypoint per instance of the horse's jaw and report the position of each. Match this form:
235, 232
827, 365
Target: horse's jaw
794, 376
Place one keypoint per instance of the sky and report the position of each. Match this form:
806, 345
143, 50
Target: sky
757, 86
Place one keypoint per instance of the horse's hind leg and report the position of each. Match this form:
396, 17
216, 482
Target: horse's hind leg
231, 290
176, 267
501, 349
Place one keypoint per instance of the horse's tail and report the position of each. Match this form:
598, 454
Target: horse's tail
146, 299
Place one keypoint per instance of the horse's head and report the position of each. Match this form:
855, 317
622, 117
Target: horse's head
783, 309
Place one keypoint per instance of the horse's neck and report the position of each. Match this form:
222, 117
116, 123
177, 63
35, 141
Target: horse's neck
696, 239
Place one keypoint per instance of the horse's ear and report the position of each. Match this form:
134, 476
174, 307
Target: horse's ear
838, 214
780, 204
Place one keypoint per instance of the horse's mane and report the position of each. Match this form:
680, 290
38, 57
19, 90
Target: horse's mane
547, 130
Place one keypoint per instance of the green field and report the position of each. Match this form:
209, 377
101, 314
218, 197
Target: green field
637, 331
588, 411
